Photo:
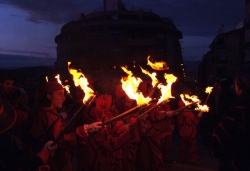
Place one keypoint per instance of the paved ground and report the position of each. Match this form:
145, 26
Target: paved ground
209, 162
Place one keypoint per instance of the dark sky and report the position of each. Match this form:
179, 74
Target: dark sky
28, 27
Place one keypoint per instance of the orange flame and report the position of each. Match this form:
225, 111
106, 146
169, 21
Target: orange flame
202, 108
194, 99
209, 90
80, 80
66, 87
191, 99
130, 86
46, 78
151, 75
157, 65
166, 90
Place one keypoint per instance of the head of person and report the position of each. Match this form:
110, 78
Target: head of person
145, 87
52, 94
242, 82
123, 102
7, 116
7, 82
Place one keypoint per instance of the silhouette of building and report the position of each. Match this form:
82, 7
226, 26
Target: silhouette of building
102, 41
229, 51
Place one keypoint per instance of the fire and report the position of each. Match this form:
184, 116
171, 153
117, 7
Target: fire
66, 87
194, 99
46, 78
157, 65
151, 75
130, 85
191, 99
202, 108
209, 90
166, 89
80, 80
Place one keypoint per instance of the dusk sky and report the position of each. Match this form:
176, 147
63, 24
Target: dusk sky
28, 27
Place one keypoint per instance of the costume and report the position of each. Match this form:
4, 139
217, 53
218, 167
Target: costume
129, 149
103, 151
12, 153
46, 126
187, 122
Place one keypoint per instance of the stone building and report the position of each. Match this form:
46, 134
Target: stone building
100, 42
229, 52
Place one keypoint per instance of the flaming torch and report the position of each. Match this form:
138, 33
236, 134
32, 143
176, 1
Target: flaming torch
66, 87
208, 91
204, 108
79, 80
165, 93
130, 85
192, 100
157, 65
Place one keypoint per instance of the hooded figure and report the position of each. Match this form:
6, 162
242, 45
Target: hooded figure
154, 130
48, 123
13, 156
103, 149
231, 138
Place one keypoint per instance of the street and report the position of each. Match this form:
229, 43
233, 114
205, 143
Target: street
209, 163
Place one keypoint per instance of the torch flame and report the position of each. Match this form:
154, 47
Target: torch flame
130, 86
157, 65
151, 75
209, 90
202, 108
80, 80
166, 90
66, 87
192, 99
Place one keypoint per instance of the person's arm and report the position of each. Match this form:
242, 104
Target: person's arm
41, 158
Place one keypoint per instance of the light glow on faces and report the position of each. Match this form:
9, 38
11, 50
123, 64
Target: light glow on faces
57, 98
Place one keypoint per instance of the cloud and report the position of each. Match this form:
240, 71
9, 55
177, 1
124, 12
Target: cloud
192, 17
56, 11
29, 53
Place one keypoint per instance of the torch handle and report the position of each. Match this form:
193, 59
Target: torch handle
184, 107
122, 115
146, 112
71, 121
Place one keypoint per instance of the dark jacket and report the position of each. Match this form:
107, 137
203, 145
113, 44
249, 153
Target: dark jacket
231, 139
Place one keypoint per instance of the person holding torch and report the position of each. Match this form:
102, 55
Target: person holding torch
48, 123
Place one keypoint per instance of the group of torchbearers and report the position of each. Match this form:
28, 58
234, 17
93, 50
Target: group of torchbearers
61, 135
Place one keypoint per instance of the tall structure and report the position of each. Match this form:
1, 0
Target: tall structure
247, 30
100, 42
229, 51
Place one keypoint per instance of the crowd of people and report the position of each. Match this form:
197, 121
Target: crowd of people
32, 118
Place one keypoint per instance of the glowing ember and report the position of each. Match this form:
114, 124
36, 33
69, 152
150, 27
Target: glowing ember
151, 75
209, 90
66, 87
130, 85
166, 90
157, 65
80, 80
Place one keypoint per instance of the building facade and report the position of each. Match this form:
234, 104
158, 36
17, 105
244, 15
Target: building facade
100, 42
229, 52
